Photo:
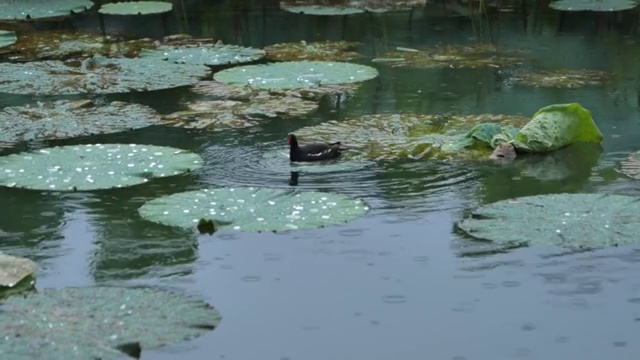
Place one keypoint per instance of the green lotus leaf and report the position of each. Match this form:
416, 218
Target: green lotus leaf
91, 167
66, 119
296, 74
96, 75
14, 270
36, 9
561, 78
321, 10
453, 56
63, 45
396, 136
568, 220
99, 322
136, 8
210, 55
7, 38
315, 51
254, 209
278, 161
593, 5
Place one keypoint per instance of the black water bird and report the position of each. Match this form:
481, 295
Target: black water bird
312, 152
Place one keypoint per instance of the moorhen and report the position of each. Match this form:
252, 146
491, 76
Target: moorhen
312, 152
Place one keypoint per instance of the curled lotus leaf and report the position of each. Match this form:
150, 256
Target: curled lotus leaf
296, 74
136, 8
100, 322
318, 51
593, 5
97, 75
561, 78
92, 167
66, 119
7, 38
14, 270
210, 55
396, 136
37, 9
254, 209
453, 56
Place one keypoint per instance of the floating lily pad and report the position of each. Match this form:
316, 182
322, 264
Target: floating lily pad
296, 74
96, 75
593, 5
13, 270
7, 38
66, 119
91, 167
278, 161
320, 10
99, 322
210, 55
32, 9
561, 78
317, 51
453, 56
136, 8
63, 45
393, 136
570, 220
254, 209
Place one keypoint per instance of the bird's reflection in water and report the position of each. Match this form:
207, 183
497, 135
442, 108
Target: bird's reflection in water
293, 180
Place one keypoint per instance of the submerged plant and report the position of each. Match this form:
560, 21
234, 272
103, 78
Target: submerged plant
315, 51
347, 7
561, 78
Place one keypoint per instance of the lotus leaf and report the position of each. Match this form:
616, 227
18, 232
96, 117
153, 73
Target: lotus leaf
593, 5
96, 75
33, 9
99, 322
62, 45
66, 119
320, 10
347, 7
210, 55
91, 167
296, 74
556, 126
7, 38
561, 78
15, 269
393, 136
136, 8
453, 56
254, 209
568, 220
317, 51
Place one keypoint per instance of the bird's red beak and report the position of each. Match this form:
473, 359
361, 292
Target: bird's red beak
288, 140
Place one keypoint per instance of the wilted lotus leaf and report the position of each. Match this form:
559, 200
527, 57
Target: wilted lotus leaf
567, 220
593, 5
320, 51
453, 56
96, 75
254, 209
32, 9
62, 45
346, 7
91, 167
561, 78
136, 8
296, 74
7, 38
99, 322
13, 270
66, 119
395, 136
210, 55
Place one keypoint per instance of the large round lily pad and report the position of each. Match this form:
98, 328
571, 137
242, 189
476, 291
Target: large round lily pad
32, 9
296, 74
97, 75
66, 119
136, 8
15, 269
99, 322
593, 5
565, 78
91, 167
7, 38
570, 220
210, 55
254, 209
315, 51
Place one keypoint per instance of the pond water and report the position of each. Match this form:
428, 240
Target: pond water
399, 283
